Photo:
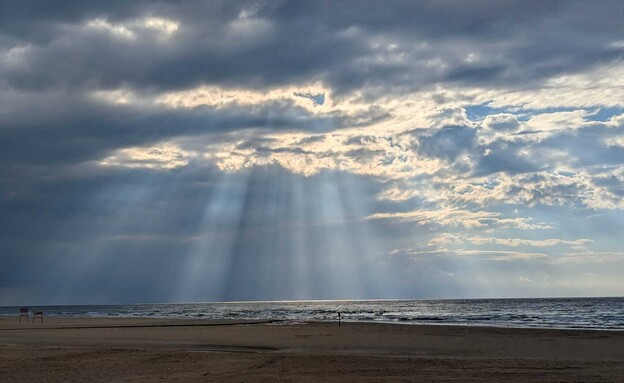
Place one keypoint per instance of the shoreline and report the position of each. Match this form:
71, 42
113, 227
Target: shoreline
224, 321
61, 323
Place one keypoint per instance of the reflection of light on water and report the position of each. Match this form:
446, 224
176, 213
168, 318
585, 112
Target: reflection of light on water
598, 313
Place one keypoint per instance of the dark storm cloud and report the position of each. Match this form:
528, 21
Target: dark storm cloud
587, 146
590, 145
336, 43
503, 156
67, 129
448, 143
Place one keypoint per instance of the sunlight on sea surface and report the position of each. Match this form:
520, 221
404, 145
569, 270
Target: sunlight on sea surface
597, 313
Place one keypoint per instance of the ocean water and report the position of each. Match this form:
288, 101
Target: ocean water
593, 313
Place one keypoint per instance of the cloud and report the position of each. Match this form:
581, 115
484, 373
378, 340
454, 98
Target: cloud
155, 158
498, 255
523, 279
455, 217
557, 120
508, 242
486, 255
265, 45
501, 122
585, 256
448, 143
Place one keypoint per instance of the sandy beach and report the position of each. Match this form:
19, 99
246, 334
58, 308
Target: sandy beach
144, 350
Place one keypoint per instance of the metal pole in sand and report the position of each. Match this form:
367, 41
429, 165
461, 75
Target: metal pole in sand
339, 319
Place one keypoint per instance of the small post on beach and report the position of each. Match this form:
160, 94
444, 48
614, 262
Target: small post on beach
338, 319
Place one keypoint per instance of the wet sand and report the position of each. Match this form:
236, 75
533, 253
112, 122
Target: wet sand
146, 350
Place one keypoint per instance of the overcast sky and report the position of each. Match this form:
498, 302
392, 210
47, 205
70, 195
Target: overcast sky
207, 150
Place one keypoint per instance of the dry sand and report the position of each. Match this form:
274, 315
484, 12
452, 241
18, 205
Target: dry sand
143, 350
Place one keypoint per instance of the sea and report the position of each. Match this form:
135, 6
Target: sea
565, 313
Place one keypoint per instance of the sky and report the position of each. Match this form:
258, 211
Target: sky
247, 150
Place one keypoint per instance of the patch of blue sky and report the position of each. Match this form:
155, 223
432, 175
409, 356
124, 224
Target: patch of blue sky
604, 227
604, 114
479, 112
318, 99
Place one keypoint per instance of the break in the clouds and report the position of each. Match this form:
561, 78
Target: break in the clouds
176, 151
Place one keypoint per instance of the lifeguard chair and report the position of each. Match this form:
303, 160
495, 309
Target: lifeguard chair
23, 313
37, 313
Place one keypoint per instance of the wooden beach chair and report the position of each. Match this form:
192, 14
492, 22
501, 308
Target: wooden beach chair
39, 313
23, 313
